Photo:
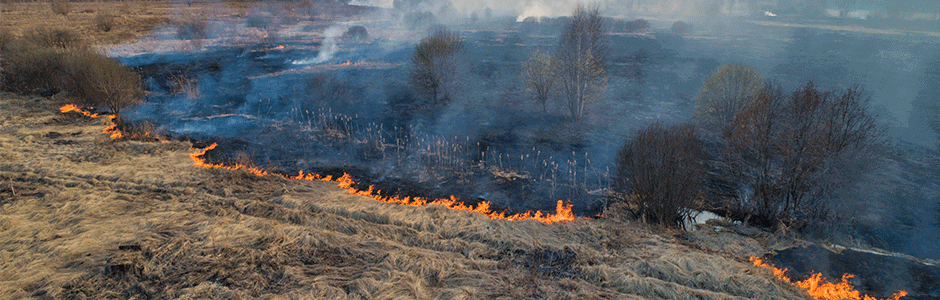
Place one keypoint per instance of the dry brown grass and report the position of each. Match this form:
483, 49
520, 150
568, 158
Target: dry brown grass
82, 216
130, 19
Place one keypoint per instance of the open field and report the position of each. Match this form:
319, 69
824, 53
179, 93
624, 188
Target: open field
84, 216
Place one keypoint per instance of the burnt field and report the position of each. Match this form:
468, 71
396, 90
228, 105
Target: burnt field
267, 131
307, 98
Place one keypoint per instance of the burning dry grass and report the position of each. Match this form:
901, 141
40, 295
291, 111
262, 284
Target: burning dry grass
84, 216
821, 288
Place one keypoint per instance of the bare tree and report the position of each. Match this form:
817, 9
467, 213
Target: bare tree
435, 62
724, 94
539, 76
579, 60
795, 150
660, 174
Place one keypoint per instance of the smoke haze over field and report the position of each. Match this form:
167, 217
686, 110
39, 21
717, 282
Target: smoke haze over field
253, 92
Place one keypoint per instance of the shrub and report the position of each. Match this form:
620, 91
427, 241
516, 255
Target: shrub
29, 69
326, 90
793, 150
434, 66
539, 77
419, 20
259, 20
61, 7
190, 28
636, 26
104, 21
724, 94
660, 174
357, 33
53, 37
93, 79
681, 28
6, 38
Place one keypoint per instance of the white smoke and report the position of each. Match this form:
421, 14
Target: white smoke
546, 9
327, 48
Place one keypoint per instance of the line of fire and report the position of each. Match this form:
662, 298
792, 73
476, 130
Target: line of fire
816, 285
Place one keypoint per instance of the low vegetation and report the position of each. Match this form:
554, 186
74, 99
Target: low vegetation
661, 174
681, 28
724, 94
48, 61
794, 150
104, 21
435, 64
61, 7
94, 80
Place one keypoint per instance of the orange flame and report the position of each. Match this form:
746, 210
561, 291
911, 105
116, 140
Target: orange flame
279, 47
346, 63
112, 129
820, 288
563, 211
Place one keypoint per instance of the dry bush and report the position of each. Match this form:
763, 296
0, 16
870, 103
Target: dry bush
6, 37
104, 21
61, 7
184, 85
54, 37
326, 90
190, 28
660, 174
357, 33
794, 151
681, 28
540, 77
636, 26
724, 94
96, 80
29, 69
434, 66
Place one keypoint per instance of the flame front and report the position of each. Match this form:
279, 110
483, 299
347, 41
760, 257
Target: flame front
112, 129
820, 288
563, 211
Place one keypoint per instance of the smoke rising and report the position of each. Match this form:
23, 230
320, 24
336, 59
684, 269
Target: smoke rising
302, 107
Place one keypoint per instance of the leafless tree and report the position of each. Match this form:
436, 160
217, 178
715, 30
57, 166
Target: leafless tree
795, 150
660, 174
724, 94
434, 66
540, 77
580, 58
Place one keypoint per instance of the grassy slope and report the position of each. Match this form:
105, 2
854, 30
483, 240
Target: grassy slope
85, 215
